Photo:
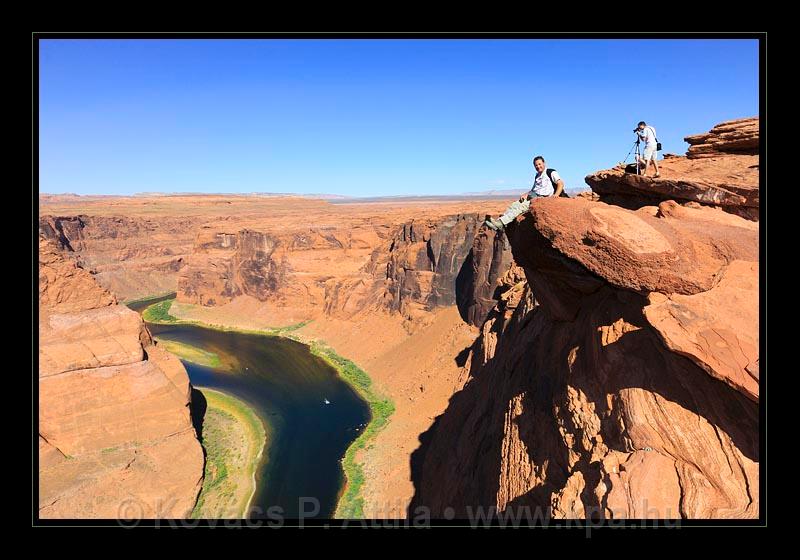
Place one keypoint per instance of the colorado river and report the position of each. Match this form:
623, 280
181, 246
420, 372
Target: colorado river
288, 388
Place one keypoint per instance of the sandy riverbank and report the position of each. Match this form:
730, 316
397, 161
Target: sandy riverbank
190, 353
235, 440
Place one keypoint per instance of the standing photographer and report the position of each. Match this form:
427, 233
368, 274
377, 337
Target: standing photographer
648, 135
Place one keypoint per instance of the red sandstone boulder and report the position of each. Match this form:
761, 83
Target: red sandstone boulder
699, 265
717, 329
670, 249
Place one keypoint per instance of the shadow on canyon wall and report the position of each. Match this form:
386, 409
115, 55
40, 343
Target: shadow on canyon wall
541, 361
199, 405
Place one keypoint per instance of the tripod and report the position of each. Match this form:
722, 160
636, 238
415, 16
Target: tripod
637, 155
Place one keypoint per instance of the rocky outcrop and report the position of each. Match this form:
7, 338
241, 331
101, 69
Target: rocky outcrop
64, 286
116, 438
739, 136
618, 379
668, 249
66, 232
688, 261
478, 283
715, 329
424, 259
726, 177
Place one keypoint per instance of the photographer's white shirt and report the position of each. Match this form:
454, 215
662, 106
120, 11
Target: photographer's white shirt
542, 186
648, 135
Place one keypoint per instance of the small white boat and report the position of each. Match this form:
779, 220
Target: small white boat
327, 401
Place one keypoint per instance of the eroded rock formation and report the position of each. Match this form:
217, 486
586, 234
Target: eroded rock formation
116, 438
478, 283
726, 175
739, 136
424, 261
619, 378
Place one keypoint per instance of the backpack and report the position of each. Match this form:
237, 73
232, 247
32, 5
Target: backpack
550, 176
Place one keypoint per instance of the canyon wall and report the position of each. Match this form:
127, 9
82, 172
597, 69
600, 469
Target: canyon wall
477, 283
289, 269
409, 268
424, 259
619, 376
132, 257
116, 438
615, 373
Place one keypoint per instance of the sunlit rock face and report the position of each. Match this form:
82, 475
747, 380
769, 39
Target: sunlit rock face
115, 433
617, 376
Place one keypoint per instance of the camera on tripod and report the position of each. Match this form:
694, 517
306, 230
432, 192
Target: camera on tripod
636, 166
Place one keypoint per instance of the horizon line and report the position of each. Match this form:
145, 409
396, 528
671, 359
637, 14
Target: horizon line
492, 192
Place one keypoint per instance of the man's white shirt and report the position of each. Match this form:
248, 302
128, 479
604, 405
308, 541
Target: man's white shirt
649, 136
542, 186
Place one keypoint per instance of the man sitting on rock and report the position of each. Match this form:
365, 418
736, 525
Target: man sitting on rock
547, 183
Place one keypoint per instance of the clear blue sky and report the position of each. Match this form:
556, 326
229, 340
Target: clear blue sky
370, 117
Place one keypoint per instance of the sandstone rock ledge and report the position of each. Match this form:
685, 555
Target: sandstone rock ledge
115, 433
739, 136
721, 169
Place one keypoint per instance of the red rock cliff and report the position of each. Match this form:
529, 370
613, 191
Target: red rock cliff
130, 256
410, 268
115, 433
619, 378
477, 285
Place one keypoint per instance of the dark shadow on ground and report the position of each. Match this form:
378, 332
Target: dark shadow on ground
461, 358
198, 408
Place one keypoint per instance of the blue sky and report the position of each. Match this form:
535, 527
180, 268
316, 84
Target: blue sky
370, 117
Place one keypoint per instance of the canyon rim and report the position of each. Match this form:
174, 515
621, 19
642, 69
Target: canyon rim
597, 360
